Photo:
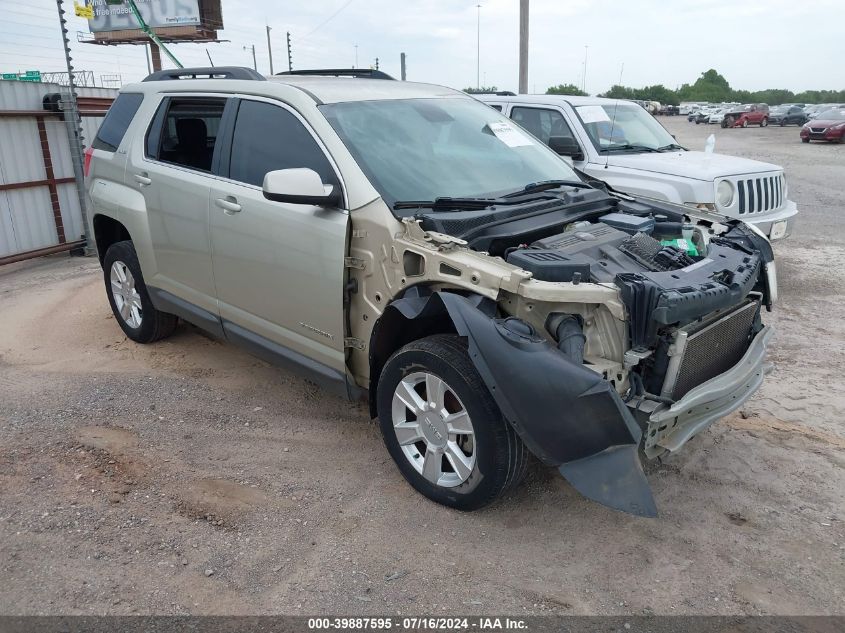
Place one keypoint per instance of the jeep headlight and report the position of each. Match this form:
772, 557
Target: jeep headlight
725, 193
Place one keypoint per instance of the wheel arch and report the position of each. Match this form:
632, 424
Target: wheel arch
108, 231
397, 327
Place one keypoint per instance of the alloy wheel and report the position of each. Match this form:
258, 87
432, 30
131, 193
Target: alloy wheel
125, 294
433, 429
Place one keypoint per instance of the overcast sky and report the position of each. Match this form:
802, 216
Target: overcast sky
755, 44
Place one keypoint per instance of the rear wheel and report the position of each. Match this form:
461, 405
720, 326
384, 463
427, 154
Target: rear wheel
783, 122
442, 427
130, 302
764, 122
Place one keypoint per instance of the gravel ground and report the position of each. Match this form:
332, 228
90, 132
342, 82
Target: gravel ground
188, 477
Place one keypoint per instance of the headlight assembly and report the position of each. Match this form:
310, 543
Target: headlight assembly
725, 193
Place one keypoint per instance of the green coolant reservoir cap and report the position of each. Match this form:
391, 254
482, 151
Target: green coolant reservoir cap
683, 245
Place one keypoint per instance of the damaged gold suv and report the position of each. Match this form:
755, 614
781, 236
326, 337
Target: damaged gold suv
408, 244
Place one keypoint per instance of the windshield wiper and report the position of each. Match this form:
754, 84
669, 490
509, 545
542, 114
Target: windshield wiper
629, 146
446, 203
545, 185
671, 146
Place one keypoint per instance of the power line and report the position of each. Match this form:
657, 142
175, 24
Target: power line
328, 19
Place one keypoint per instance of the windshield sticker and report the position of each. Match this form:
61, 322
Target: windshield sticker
509, 135
593, 114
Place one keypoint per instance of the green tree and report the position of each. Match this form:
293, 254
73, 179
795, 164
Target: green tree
619, 92
482, 90
660, 93
710, 86
566, 89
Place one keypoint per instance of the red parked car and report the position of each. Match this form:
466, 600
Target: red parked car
751, 114
828, 126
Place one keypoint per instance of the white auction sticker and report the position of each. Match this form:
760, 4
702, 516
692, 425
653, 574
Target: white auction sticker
508, 134
593, 114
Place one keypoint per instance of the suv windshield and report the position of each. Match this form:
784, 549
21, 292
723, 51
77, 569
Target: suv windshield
423, 149
625, 127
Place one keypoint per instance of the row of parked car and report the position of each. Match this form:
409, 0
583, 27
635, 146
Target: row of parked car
824, 122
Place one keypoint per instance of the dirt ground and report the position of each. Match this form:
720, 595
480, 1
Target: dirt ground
188, 477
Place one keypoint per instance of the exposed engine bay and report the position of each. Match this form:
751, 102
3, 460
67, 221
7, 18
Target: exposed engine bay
639, 317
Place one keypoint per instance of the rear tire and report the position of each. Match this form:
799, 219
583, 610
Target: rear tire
461, 452
764, 122
130, 302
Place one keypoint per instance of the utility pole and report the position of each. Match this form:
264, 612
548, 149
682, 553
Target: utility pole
478, 49
376, 63
356, 57
254, 62
584, 82
155, 55
290, 58
70, 114
269, 49
402, 65
523, 47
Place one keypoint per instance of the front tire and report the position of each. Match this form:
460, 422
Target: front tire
442, 427
130, 302
745, 123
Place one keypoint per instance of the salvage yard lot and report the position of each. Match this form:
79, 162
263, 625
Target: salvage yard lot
189, 477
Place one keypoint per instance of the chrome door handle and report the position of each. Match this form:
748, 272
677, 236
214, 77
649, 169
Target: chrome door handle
229, 205
143, 180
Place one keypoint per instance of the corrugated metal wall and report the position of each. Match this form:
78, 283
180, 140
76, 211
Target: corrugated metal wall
26, 214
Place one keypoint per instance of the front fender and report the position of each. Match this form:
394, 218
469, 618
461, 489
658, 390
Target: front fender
567, 415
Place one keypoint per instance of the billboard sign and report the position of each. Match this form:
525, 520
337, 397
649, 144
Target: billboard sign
156, 13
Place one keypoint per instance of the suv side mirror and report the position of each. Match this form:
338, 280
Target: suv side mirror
299, 186
566, 146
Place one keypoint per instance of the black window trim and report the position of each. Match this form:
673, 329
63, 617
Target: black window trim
227, 132
97, 138
156, 126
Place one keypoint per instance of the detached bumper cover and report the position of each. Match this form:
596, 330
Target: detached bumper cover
566, 414
674, 425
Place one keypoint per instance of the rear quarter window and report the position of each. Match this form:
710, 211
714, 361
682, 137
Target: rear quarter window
117, 121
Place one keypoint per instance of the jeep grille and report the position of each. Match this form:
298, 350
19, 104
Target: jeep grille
758, 195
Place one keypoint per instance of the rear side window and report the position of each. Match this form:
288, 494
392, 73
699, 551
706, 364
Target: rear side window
184, 131
117, 121
268, 137
542, 123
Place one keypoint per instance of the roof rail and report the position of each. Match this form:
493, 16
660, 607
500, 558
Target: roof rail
361, 73
214, 72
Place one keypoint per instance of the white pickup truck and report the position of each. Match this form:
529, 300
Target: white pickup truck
618, 142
